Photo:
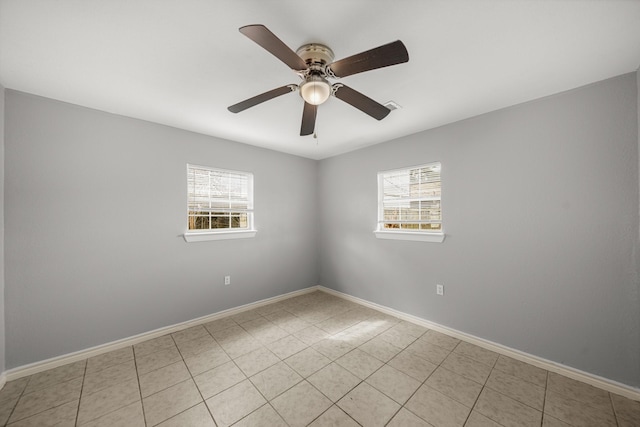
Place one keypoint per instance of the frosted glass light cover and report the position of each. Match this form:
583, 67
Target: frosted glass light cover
315, 91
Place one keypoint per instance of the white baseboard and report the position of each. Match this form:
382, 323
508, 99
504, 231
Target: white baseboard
596, 381
567, 371
34, 368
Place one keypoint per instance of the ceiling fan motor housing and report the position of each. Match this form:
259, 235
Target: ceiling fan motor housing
315, 89
315, 54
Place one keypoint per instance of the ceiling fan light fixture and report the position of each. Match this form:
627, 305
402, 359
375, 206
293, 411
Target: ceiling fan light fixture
315, 90
314, 64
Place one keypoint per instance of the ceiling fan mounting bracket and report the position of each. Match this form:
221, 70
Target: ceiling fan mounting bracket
335, 87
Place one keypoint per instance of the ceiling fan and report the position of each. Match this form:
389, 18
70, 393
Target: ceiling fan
314, 64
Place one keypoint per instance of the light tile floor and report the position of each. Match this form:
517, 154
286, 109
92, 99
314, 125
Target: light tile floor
312, 360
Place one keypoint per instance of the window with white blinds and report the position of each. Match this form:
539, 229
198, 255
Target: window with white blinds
219, 200
409, 200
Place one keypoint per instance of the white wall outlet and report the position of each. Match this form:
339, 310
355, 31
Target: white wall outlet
227, 280
440, 289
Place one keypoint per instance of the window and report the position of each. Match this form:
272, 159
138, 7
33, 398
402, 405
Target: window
409, 204
219, 204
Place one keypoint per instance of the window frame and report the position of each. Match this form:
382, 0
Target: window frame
197, 235
413, 235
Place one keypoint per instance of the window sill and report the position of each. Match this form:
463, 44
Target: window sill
408, 235
218, 235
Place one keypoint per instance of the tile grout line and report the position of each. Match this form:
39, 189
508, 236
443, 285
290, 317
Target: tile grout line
240, 369
493, 367
104, 369
204, 401
84, 375
179, 382
190, 378
544, 402
613, 409
386, 364
334, 361
268, 402
305, 379
475, 402
501, 393
22, 393
423, 383
135, 364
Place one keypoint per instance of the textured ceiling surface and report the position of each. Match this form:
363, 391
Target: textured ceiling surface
183, 62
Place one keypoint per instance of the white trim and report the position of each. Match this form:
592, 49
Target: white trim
408, 235
594, 380
218, 235
34, 368
576, 374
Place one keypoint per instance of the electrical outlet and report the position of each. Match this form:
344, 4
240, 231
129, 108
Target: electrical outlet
227, 280
440, 289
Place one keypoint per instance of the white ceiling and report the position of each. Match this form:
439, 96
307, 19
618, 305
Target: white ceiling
182, 62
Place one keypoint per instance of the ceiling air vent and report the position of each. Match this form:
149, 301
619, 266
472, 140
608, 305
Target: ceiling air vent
392, 105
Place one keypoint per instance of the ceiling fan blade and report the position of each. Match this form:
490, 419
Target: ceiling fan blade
360, 101
258, 99
265, 38
379, 57
308, 119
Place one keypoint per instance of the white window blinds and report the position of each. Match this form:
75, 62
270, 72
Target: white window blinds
409, 199
218, 199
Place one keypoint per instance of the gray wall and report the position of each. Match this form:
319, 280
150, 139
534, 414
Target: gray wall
95, 208
540, 205
2, 351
